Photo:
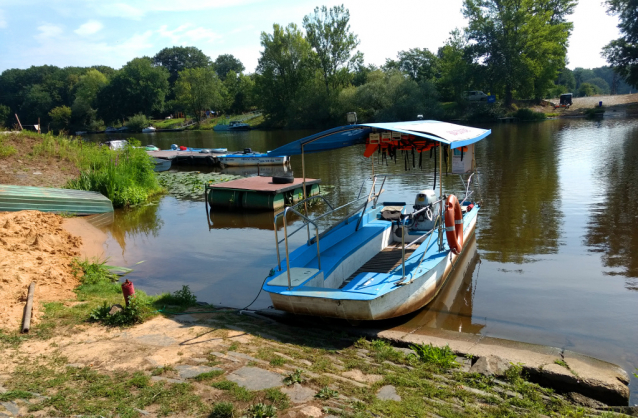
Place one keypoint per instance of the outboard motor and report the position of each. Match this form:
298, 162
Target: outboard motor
425, 220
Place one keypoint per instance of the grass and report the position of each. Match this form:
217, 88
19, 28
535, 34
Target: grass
6, 150
526, 114
442, 357
126, 177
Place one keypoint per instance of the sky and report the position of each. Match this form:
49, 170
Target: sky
99, 32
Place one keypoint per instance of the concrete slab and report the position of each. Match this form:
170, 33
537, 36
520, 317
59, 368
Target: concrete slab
388, 393
254, 378
299, 394
188, 372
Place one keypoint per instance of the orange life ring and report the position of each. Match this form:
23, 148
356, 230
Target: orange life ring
454, 224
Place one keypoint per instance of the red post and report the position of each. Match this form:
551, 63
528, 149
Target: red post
128, 290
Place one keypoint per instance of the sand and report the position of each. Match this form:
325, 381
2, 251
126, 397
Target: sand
36, 247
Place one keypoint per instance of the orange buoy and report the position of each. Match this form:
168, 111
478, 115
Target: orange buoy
454, 224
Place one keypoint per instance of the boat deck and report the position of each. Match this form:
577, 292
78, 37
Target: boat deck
263, 185
385, 261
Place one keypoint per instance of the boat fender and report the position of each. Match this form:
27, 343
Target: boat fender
454, 224
282, 180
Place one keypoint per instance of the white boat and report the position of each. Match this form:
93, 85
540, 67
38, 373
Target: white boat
116, 144
250, 158
384, 259
149, 130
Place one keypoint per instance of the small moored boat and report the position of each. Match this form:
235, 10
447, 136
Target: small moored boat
149, 130
250, 158
234, 125
382, 260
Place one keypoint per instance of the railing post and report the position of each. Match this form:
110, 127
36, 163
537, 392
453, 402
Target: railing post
318, 252
287, 254
403, 247
277, 244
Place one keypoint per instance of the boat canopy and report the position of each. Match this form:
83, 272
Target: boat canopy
345, 136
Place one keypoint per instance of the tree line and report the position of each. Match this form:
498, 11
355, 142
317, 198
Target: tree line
310, 76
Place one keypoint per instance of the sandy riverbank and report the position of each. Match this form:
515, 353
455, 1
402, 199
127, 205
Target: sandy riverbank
40, 247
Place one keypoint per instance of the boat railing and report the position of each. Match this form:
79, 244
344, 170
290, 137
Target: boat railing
371, 196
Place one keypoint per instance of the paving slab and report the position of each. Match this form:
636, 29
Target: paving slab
11, 407
299, 394
166, 379
254, 378
188, 372
388, 393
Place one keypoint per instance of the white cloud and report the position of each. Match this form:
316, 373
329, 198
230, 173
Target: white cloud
3, 20
136, 9
89, 28
48, 31
182, 34
121, 10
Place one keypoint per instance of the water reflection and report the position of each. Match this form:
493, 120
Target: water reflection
142, 220
219, 219
612, 229
521, 217
453, 307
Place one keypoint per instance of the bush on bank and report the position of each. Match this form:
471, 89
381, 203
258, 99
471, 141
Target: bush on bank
124, 176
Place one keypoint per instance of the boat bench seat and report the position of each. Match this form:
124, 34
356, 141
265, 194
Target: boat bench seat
340, 250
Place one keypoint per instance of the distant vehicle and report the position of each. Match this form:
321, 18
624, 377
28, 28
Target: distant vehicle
475, 96
565, 101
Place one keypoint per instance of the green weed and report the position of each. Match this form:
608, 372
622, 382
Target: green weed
277, 361
183, 298
326, 393
294, 377
238, 392
443, 357
223, 410
162, 370
261, 410
276, 397
12, 395
561, 363
209, 375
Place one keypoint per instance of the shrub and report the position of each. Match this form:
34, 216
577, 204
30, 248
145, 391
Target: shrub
443, 357
138, 122
261, 410
223, 410
526, 114
183, 298
138, 309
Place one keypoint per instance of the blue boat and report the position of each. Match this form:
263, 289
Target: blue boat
384, 259
176, 147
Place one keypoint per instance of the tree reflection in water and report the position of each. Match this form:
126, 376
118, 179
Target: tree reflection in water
613, 226
519, 181
143, 219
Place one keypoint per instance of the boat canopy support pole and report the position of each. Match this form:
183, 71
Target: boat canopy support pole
441, 196
303, 174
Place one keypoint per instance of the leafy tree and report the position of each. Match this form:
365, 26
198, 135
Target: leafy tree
138, 122
587, 89
455, 67
60, 117
226, 63
602, 85
5, 115
179, 58
523, 43
566, 78
199, 89
239, 88
328, 32
622, 53
284, 68
419, 63
581, 75
139, 87
86, 91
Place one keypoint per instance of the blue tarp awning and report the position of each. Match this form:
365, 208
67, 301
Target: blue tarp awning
345, 136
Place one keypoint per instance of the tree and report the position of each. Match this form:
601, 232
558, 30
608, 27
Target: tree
5, 115
179, 58
86, 90
226, 63
419, 63
566, 78
602, 85
522, 43
328, 32
455, 67
239, 89
138, 87
284, 68
60, 117
587, 89
198, 89
622, 53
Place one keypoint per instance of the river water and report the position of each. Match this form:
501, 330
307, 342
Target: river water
557, 236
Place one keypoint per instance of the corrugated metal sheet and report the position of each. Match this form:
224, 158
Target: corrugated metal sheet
45, 199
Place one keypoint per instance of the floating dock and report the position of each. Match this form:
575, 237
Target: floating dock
258, 193
187, 157
45, 199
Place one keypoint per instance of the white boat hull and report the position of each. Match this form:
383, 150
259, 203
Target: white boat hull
251, 161
403, 300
